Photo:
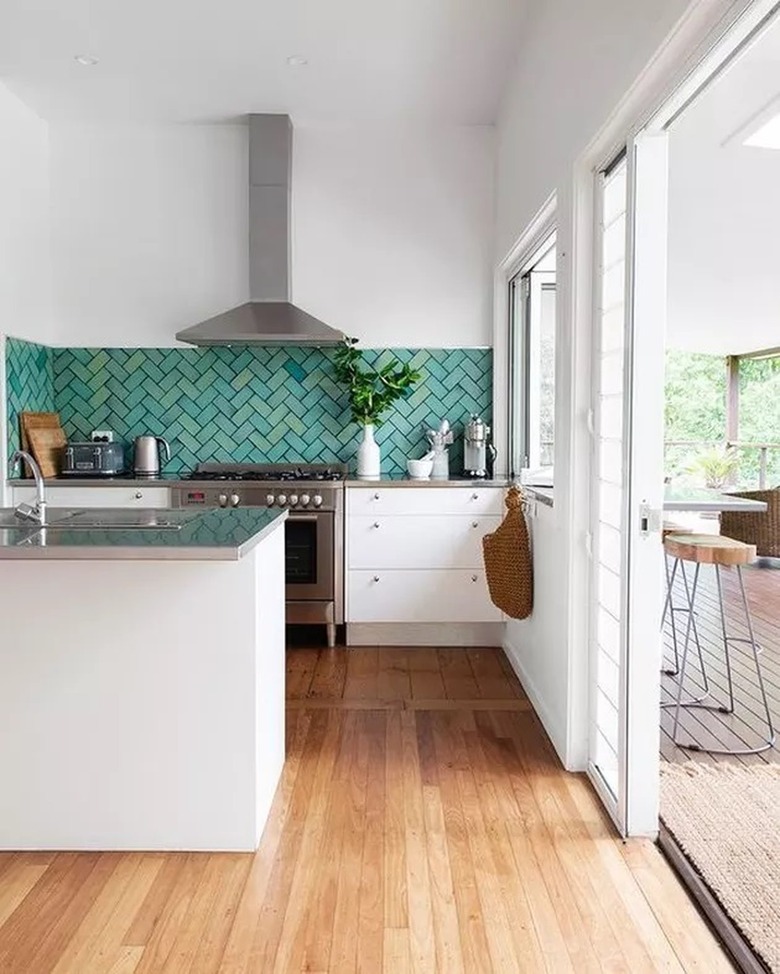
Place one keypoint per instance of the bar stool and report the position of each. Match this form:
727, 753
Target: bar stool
706, 549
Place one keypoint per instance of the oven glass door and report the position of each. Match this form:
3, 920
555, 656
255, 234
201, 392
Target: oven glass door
309, 556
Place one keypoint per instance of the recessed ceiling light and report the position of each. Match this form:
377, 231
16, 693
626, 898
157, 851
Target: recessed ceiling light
297, 61
86, 59
767, 136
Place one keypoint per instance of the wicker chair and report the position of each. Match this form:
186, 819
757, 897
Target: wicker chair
760, 529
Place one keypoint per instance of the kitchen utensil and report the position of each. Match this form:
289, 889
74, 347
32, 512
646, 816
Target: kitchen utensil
419, 469
440, 440
146, 461
477, 447
46, 445
93, 459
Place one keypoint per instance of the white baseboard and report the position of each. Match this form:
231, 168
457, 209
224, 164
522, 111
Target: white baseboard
554, 731
425, 633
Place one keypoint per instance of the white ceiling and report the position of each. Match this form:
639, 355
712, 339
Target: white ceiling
192, 60
724, 213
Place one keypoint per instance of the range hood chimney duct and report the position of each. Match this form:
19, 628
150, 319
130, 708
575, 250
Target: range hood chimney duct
269, 317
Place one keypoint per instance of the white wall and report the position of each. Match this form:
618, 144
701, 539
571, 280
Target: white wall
391, 231
576, 62
25, 309
149, 229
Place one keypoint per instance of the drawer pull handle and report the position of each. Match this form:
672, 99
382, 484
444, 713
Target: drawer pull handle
475, 524
475, 578
376, 497
475, 497
376, 524
138, 495
376, 578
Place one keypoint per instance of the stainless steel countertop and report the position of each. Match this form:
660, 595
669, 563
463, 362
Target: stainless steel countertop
174, 480
211, 535
164, 480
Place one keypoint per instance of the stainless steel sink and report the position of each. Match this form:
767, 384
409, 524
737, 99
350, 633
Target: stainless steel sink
123, 520
10, 519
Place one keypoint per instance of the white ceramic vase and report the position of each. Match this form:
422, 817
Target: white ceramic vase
368, 456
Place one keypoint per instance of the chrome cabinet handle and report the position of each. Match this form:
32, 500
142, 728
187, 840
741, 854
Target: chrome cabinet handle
475, 497
376, 497
475, 578
376, 524
475, 524
376, 578
138, 495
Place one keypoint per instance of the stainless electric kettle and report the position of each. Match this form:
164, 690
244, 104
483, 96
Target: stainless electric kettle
146, 462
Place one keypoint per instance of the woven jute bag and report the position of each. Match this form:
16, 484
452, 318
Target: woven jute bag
508, 564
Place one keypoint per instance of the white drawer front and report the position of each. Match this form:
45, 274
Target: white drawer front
417, 541
470, 499
419, 596
98, 496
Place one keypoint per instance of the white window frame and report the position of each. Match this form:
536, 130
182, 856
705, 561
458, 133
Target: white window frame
526, 251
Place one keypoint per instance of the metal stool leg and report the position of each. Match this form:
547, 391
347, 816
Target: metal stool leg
769, 741
691, 630
668, 607
681, 678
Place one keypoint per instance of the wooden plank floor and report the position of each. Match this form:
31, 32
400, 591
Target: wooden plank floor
422, 824
744, 727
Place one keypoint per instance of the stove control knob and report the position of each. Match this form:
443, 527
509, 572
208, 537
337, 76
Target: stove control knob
222, 500
317, 500
293, 500
281, 500
269, 499
235, 500
305, 499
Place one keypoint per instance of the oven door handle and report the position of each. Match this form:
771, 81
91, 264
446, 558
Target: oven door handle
302, 517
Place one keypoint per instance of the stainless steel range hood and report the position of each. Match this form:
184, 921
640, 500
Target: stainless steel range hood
268, 318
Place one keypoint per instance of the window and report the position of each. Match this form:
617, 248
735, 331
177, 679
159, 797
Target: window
532, 362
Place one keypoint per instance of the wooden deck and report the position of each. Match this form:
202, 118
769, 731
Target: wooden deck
744, 727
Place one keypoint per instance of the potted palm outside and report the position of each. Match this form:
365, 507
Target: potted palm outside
371, 392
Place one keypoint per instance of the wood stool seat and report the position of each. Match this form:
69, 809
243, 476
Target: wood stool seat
709, 549
669, 527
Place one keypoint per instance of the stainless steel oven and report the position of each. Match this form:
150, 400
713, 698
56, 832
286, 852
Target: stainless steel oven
313, 496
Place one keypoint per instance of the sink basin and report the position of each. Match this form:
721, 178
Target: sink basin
123, 520
10, 519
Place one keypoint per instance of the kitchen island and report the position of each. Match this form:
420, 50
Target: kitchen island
141, 679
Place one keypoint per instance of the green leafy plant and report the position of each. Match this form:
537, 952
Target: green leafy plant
715, 466
371, 391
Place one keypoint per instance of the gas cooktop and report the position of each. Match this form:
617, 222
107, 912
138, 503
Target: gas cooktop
267, 473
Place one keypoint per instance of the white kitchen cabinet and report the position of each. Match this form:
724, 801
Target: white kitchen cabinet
414, 554
129, 496
421, 595
417, 541
468, 500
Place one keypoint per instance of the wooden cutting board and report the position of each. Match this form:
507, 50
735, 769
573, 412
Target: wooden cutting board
30, 421
46, 446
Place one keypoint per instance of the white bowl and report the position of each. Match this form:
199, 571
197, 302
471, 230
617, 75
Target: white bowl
419, 469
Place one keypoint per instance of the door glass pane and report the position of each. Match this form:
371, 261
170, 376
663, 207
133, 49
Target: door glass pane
608, 514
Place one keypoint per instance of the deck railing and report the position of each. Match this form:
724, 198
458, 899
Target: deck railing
762, 448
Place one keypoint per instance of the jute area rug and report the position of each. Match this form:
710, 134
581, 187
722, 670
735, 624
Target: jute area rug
726, 819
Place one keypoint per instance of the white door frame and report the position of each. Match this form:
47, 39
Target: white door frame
708, 36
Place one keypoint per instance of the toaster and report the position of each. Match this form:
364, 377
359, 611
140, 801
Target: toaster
93, 460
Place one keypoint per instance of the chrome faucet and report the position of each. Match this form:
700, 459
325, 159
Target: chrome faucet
36, 512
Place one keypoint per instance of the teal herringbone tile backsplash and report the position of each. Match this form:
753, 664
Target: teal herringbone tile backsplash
29, 383
260, 405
